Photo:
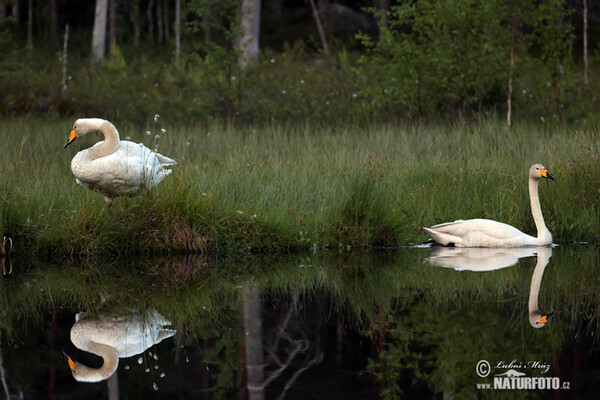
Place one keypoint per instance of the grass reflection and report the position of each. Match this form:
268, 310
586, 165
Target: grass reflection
425, 327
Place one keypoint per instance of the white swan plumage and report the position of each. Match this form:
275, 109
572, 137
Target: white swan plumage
113, 336
115, 167
489, 233
536, 318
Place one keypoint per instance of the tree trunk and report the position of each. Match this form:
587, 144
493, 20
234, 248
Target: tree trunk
99, 32
513, 32
159, 22
250, 24
166, 19
64, 58
29, 22
382, 7
112, 384
135, 21
253, 342
206, 29
177, 30
150, 21
319, 26
15, 13
112, 27
585, 44
53, 24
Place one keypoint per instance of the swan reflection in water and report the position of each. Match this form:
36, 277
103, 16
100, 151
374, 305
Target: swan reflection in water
489, 259
113, 336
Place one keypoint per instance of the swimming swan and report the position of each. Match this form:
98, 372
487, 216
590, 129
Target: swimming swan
115, 167
488, 233
114, 336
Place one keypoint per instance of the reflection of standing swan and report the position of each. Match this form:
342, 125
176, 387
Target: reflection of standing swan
488, 233
114, 336
536, 319
115, 167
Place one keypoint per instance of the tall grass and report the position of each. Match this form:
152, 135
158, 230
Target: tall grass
276, 188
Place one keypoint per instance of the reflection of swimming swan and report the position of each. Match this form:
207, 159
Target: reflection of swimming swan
536, 319
115, 167
488, 233
114, 336
477, 258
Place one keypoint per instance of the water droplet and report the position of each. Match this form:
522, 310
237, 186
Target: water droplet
163, 130
127, 138
162, 375
140, 360
126, 367
147, 370
154, 386
157, 137
148, 133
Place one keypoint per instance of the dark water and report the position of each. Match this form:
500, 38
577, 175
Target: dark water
324, 326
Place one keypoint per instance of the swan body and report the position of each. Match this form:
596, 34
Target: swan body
115, 167
489, 233
114, 336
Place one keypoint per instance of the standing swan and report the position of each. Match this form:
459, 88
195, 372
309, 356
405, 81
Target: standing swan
115, 167
114, 336
488, 233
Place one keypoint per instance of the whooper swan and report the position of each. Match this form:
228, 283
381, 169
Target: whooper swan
115, 167
488, 233
114, 336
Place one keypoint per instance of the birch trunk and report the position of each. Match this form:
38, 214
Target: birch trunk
99, 32
248, 44
585, 44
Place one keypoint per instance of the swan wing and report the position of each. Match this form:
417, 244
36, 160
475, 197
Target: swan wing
125, 171
479, 233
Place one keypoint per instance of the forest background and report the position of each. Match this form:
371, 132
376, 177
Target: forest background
253, 61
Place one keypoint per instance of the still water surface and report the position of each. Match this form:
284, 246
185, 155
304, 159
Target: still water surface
414, 322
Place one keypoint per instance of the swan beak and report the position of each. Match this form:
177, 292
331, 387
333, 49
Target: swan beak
545, 318
545, 174
72, 137
70, 361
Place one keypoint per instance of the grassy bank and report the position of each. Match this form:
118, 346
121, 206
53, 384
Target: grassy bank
286, 188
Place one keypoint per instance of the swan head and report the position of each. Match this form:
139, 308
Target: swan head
83, 126
82, 373
539, 320
538, 171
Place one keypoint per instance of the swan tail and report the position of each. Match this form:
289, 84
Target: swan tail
441, 237
165, 161
165, 333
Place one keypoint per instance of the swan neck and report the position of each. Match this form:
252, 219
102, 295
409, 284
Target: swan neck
110, 359
543, 257
543, 233
111, 140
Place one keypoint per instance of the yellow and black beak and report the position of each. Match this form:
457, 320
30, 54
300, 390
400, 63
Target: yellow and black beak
545, 174
72, 137
69, 359
544, 318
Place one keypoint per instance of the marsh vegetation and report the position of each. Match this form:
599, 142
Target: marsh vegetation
278, 188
